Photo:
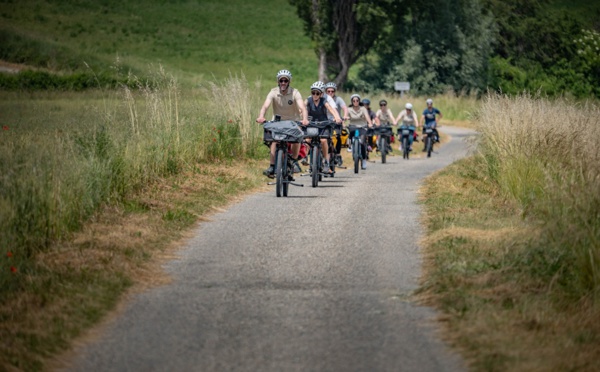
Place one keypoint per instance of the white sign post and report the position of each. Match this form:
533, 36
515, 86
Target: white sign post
401, 86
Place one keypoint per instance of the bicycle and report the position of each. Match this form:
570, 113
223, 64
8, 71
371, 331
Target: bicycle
283, 133
357, 143
405, 132
315, 131
384, 134
428, 131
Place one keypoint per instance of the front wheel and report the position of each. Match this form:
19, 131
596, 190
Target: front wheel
405, 148
315, 165
429, 145
383, 148
279, 172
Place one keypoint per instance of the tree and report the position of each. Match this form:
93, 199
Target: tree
343, 31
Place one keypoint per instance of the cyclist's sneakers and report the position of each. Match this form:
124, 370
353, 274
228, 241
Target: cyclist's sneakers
297, 168
338, 160
369, 149
304, 161
400, 147
364, 164
326, 167
437, 139
349, 149
270, 172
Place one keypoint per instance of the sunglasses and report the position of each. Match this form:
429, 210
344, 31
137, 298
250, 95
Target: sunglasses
355, 100
284, 81
383, 104
331, 91
315, 93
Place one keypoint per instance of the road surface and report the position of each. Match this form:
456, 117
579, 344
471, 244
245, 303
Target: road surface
318, 281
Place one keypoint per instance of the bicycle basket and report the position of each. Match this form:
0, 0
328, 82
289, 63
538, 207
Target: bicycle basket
287, 130
383, 131
321, 129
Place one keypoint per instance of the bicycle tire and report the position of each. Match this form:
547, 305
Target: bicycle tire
315, 164
279, 172
355, 153
429, 146
405, 148
383, 149
286, 176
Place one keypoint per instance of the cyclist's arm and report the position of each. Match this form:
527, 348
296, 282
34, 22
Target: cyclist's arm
439, 113
333, 112
368, 117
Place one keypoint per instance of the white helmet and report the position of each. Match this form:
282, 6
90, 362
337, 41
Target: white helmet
429, 101
408, 106
317, 85
284, 73
332, 85
355, 96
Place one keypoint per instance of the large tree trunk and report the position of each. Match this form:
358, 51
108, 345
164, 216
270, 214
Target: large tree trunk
317, 31
344, 20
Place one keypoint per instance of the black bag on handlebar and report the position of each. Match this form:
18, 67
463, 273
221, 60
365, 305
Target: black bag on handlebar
383, 130
321, 129
353, 128
286, 130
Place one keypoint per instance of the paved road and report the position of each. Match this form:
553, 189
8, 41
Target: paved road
293, 284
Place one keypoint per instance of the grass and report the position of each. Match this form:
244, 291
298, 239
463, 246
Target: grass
512, 246
195, 40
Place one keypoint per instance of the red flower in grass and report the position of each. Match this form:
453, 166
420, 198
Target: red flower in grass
9, 254
13, 269
5, 127
214, 140
230, 121
214, 128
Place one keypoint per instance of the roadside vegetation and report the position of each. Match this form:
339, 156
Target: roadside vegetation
129, 124
513, 250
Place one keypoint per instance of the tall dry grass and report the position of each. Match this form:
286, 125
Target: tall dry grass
52, 180
545, 154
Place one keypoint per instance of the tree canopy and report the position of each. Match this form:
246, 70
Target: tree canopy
459, 45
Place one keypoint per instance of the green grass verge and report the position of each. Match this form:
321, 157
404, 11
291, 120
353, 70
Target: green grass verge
500, 286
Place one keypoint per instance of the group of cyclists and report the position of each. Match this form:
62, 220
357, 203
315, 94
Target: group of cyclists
324, 104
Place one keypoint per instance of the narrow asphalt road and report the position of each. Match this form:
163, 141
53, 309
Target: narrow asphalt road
318, 281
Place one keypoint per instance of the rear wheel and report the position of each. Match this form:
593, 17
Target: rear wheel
279, 172
288, 170
315, 165
405, 148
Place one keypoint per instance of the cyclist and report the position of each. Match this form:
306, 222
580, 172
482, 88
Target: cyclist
318, 109
288, 105
430, 118
359, 117
384, 116
330, 89
367, 104
409, 118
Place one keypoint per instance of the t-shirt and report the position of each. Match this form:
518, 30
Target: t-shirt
358, 118
385, 117
286, 105
316, 112
430, 115
339, 105
406, 119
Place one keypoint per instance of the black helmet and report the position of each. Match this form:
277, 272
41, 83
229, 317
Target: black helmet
366, 101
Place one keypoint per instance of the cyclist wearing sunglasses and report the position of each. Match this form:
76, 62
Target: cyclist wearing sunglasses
359, 117
318, 109
287, 105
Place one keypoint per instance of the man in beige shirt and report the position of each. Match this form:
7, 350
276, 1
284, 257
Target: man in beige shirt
288, 105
